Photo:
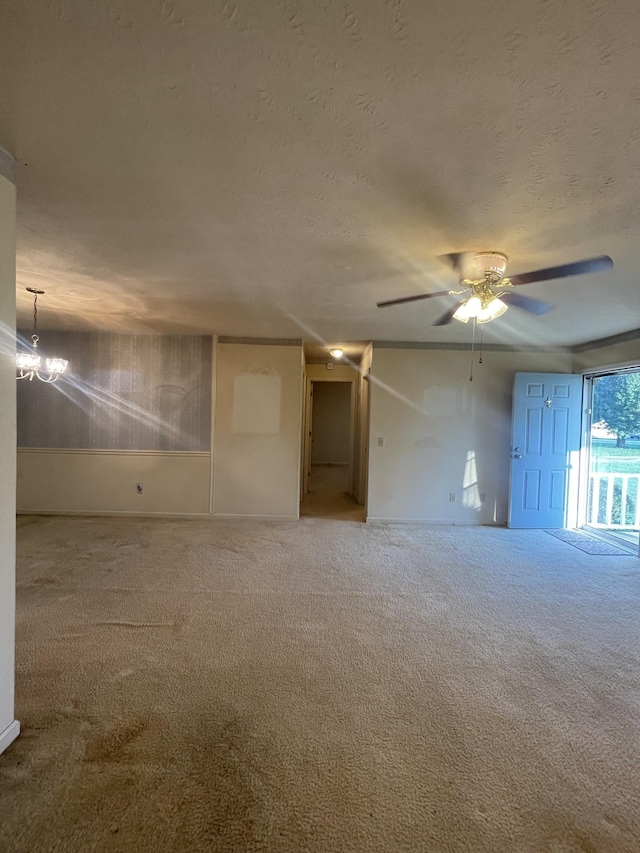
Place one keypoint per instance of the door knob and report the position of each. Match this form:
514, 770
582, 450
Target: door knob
517, 455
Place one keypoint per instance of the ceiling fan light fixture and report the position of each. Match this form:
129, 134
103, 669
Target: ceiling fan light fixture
492, 311
473, 306
462, 313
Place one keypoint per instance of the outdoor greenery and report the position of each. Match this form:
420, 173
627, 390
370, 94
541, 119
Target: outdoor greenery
609, 459
606, 458
616, 408
616, 401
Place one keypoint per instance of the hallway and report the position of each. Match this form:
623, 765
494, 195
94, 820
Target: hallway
329, 497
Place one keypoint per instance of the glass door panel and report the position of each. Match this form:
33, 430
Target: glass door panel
614, 468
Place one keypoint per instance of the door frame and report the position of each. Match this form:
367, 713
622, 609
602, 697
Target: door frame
364, 421
573, 475
588, 375
308, 428
585, 452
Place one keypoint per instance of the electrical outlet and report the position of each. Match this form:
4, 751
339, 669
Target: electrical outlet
139, 488
452, 497
482, 497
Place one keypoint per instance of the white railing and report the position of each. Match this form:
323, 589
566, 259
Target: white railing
614, 493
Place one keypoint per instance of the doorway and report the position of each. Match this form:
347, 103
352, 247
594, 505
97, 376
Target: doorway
575, 455
329, 452
545, 450
613, 454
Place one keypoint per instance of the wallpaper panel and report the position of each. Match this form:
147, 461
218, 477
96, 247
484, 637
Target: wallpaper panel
120, 392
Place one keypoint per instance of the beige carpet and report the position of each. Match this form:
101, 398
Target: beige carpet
328, 495
321, 686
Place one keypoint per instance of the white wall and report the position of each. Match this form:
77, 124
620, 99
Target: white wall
257, 430
8, 726
621, 353
331, 427
444, 434
104, 481
340, 372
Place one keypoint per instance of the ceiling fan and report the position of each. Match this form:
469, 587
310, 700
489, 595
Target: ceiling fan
487, 292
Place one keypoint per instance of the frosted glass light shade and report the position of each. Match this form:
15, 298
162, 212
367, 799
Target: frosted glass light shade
494, 309
28, 365
461, 314
56, 365
27, 361
473, 306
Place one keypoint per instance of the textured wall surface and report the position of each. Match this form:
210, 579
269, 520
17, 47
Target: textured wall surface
275, 168
122, 392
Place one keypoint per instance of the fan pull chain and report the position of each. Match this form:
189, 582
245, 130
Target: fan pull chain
481, 341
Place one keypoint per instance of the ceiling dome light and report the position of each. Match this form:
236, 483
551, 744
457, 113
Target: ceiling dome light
336, 353
28, 363
494, 309
478, 265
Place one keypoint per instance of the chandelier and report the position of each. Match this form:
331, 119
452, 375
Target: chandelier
29, 364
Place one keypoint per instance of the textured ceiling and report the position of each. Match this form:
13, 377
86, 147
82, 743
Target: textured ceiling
275, 168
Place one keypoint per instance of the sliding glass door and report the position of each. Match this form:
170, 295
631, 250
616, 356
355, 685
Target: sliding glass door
613, 495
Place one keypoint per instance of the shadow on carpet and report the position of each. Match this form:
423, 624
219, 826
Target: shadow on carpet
588, 544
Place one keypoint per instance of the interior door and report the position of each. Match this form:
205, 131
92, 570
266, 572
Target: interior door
545, 447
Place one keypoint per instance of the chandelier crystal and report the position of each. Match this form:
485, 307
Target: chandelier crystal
30, 364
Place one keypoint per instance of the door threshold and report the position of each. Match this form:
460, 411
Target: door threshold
606, 536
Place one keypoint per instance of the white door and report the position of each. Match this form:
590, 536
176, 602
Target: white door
545, 448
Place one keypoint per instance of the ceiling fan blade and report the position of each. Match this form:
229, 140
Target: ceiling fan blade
454, 260
447, 317
602, 262
412, 298
526, 303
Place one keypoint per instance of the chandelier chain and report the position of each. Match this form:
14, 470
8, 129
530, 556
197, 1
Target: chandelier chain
34, 337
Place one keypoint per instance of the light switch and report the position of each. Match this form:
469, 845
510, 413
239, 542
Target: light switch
380, 441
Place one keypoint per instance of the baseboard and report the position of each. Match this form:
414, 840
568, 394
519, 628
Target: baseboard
238, 517
432, 522
8, 736
89, 451
114, 513
131, 514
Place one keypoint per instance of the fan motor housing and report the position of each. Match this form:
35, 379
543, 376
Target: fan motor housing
481, 264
